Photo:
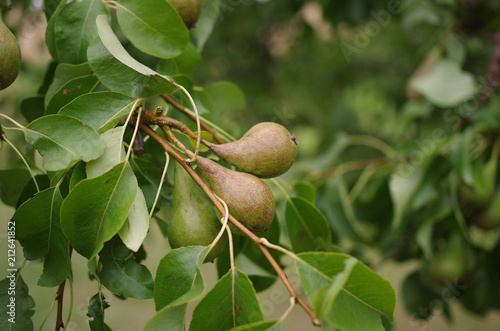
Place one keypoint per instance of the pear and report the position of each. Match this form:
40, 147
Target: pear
189, 10
490, 218
449, 263
194, 220
248, 198
10, 56
266, 150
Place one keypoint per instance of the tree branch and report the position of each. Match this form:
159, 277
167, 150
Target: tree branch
60, 297
204, 125
257, 240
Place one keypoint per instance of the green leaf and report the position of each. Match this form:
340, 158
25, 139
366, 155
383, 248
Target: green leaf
63, 74
176, 275
455, 49
71, 90
38, 230
97, 305
271, 325
362, 299
19, 317
205, 135
307, 227
222, 97
12, 182
33, 108
169, 318
417, 297
402, 190
120, 72
178, 281
153, 26
231, 302
121, 274
50, 36
446, 84
149, 171
96, 209
75, 29
63, 141
114, 153
306, 191
326, 296
100, 110
30, 189
136, 227
205, 24
461, 158
182, 64
77, 175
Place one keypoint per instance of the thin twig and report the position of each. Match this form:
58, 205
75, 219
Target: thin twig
163, 121
257, 240
60, 296
204, 125
173, 139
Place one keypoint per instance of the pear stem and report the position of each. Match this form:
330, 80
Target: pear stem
173, 139
181, 108
257, 240
165, 121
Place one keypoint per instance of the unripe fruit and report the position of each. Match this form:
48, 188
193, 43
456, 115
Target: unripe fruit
189, 10
490, 218
194, 220
10, 56
248, 198
266, 150
449, 263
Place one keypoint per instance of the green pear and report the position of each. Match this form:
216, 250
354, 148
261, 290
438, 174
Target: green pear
266, 150
194, 220
10, 56
248, 198
449, 263
490, 218
189, 10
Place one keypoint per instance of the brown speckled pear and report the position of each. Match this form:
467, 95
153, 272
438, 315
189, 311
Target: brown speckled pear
194, 220
189, 10
10, 56
266, 150
248, 198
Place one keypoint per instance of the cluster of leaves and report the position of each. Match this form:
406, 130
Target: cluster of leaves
93, 197
412, 170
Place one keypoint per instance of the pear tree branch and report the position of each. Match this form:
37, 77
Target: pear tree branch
257, 240
59, 298
204, 125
